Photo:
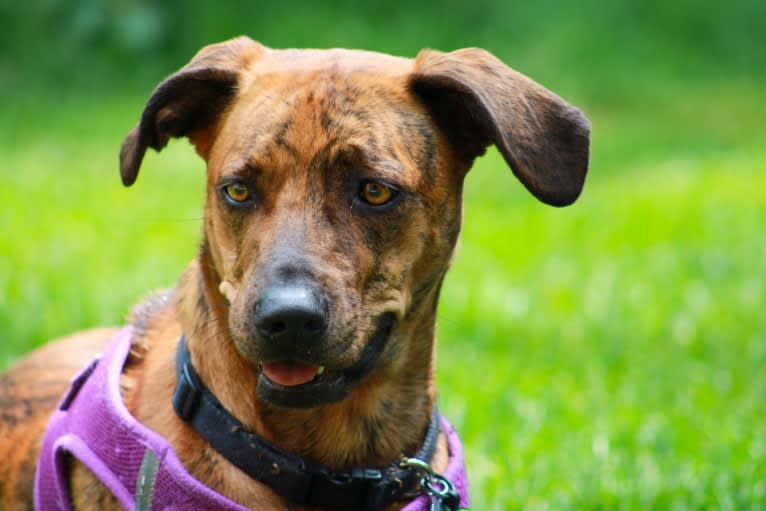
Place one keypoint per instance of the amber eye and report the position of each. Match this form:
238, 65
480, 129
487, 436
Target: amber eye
237, 193
376, 194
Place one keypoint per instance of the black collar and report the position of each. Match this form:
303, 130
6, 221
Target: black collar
303, 481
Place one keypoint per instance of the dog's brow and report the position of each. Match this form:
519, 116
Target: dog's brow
387, 167
239, 168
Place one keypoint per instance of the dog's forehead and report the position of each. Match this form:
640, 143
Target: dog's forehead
293, 105
341, 60
354, 74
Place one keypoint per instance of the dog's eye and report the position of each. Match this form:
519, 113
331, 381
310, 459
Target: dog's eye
376, 193
237, 193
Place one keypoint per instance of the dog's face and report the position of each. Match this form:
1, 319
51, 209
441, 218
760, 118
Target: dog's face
334, 193
326, 184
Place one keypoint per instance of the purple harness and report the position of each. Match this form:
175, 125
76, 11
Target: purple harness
136, 464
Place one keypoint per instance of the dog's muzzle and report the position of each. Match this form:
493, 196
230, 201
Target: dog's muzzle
296, 384
291, 319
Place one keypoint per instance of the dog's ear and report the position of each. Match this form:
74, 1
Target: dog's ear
187, 101
477, 101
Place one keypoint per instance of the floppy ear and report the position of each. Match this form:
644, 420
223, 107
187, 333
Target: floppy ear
477, 101
187, 101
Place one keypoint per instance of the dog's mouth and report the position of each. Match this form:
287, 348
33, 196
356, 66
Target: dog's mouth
291, 374
295, 384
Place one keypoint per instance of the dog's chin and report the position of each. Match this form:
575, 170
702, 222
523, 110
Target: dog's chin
329, 386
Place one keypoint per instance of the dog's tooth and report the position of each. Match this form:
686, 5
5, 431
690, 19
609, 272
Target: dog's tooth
320, 371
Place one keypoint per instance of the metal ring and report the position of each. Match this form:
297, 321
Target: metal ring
442, 488
416, 463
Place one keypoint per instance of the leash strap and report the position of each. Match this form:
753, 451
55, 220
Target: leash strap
303, 481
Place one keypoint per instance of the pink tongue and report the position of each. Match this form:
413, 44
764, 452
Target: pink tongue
290, 373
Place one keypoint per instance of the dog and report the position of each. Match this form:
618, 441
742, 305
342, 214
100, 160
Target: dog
332, 211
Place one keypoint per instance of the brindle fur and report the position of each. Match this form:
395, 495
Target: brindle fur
304, 126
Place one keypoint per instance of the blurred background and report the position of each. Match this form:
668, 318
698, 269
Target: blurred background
609, 355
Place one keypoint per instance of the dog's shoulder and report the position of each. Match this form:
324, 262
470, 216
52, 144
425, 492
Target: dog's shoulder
154, 327
148, 311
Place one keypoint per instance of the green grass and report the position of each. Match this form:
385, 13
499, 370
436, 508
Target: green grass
613, 355
610, 355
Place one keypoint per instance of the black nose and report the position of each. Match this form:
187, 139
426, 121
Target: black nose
292, 312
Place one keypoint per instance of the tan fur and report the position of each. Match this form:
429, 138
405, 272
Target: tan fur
305, 127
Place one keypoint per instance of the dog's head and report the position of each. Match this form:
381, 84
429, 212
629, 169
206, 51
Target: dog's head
334, 193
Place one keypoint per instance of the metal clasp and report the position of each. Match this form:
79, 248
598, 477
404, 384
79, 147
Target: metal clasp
444, 496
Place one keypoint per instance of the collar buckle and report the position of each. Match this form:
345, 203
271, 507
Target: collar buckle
366, 474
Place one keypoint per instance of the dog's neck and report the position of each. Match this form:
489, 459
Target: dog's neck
375, 431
